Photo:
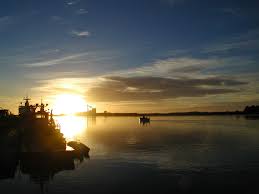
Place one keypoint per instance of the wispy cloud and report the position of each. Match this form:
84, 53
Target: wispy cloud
61, 85
50, 51
85, 64
233, 45
176, 67
169, 79
156, 88
81, 11
147, 88
72, 2
81, 33
54, 61
245, 41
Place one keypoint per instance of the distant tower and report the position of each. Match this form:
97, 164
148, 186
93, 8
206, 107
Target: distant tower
93, 111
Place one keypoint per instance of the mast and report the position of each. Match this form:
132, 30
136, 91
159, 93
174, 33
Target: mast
27, 100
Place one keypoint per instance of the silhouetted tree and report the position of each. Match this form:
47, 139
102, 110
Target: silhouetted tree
251, 109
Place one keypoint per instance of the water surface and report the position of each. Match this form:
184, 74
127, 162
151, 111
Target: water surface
171, 154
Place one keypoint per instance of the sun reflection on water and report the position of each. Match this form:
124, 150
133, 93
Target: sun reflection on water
72, 126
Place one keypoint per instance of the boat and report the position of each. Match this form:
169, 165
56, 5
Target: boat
144, 119
36, 133
38, 129
79, 148
37, 147
7, 119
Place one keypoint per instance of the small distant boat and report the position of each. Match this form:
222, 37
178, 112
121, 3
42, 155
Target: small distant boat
144, 119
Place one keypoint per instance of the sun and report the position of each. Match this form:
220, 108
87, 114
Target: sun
69, 104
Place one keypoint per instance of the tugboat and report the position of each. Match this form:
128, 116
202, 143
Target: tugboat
35, 146
39, 132
38, 129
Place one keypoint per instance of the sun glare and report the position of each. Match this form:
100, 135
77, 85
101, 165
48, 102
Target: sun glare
69, 104
72, 126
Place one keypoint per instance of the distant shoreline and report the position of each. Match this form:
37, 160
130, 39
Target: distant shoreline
241, 113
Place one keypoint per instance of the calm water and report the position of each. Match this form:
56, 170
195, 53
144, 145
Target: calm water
171, 154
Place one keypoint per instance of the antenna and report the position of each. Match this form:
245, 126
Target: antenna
26, 97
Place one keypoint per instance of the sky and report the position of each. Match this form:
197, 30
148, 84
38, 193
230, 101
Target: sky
131, 56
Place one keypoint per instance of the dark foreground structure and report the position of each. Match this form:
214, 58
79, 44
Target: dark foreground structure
31, 143
40, 167
251, 109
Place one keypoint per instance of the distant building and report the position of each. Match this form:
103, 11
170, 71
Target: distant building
94, 111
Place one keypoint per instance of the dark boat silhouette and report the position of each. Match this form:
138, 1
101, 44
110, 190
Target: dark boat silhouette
36, 132
41, 167
144, 119
36, 146
7, 119
79, 148
37, 129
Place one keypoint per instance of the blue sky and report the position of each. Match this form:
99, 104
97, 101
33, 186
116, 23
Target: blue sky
202, 53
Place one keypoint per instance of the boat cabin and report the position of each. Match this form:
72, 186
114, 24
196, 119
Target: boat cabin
30, 115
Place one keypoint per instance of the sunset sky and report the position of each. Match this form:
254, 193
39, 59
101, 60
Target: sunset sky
131, 56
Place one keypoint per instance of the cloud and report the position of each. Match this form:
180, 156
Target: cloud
81, 11
183, 66
69, 3
233, 45
54, 61
241, 42
157, 88
168, 67
72, 85
50, 51
188, 69
81, 33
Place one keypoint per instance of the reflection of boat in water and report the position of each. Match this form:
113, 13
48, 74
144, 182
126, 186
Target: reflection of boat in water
41, 167
144, 119
8, 165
